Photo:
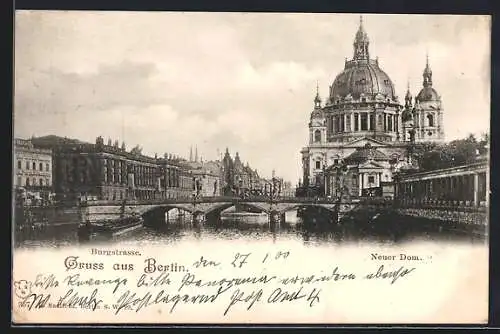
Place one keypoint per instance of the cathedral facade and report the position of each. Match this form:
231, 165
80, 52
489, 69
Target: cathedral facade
361, 134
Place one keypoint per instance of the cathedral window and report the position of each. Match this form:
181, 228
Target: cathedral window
430, 119
364, 122
317, 136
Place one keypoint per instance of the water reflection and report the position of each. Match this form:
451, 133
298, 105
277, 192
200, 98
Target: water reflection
385, 228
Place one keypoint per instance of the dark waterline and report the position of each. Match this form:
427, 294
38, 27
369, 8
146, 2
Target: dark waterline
393, 230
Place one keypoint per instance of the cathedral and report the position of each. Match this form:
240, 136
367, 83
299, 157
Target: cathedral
362, 133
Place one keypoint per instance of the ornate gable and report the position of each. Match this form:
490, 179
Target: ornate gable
371, 165
365, 140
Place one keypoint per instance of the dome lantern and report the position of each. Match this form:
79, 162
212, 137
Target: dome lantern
317, 99
361, 43
408, 97
427, 73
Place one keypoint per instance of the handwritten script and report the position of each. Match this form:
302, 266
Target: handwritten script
239, 281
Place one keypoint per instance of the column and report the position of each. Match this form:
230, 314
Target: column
352, 122
360, 184
368, 125
476, 189
345, 122
487, 188
359, 121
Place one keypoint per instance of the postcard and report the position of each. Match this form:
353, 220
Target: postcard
250, 168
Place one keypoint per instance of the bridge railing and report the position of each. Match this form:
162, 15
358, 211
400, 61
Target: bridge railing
210, 199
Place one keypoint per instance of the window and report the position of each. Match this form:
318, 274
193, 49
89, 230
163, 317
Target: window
356, 122
27, 165
430, 133
40, 166
371, 179
372, 122
355, 180
364, 122
19, 164
27, 182
47, 167
336, 161
317, 136
34, 165
318, 164
430, 120
389, 123
40, 182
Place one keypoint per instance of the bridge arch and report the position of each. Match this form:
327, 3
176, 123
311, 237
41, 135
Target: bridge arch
282, 208
217, 209
155, 214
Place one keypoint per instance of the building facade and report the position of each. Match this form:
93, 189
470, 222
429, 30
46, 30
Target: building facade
32, 170
238, 178
109, 172
360, 136
206, 177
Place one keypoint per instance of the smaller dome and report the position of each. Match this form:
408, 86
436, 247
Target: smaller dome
427, 94
406, 115
366, 153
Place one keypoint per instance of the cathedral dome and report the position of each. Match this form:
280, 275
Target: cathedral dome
362, 77
427, 94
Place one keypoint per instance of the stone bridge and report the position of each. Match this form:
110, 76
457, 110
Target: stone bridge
205, 206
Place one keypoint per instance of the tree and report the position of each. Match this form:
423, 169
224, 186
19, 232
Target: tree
137, 150
431, 156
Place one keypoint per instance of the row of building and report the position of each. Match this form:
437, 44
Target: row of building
55, 168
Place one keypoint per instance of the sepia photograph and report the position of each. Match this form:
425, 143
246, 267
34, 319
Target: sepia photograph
196, 167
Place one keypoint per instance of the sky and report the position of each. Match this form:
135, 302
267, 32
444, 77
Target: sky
242, 81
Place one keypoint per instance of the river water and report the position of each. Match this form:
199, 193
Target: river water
257, 228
